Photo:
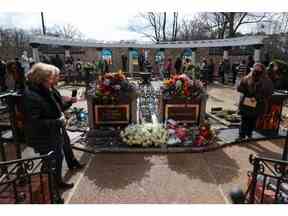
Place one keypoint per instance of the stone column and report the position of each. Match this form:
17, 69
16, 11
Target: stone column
226, 53
257, 53
35, 52
67, 51
99, 54
194, 56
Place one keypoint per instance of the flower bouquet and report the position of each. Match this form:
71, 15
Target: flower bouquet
205, 136
144, 135
113, 87
181, 86
196, 137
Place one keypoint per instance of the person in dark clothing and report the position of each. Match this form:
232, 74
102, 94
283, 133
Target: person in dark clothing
124, 59
222, 72
2, 75
106, 66
43, 118
210, 72
257, 89
20, 77
178, 65
234, 73
78, 67
15, 79
168, 68
242, 69
205, 71
58, 62
276, 74
71, 161
250, 64
141, 60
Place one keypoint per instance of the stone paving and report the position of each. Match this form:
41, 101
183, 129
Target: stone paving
171, 178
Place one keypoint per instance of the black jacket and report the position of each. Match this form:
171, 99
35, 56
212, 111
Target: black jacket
41, 119
63, 104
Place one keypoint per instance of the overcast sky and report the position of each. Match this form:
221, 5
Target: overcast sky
98, 26
109, 19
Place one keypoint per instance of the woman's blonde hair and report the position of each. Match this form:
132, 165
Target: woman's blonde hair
40, 72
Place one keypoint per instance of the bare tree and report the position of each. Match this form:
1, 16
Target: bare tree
13, 42
195, 29
156, 26
175, 26
164, 26
227, 24
68, 31
278, 24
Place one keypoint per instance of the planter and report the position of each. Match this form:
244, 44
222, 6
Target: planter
190, 112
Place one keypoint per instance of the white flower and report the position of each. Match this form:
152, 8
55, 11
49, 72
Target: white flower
145, 134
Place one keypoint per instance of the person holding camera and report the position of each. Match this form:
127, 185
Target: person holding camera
65, 103
44, 121
256, 89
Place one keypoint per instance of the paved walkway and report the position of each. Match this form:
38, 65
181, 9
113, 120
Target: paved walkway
171, 178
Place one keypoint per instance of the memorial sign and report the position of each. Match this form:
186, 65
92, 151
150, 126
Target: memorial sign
183, 113
112, 114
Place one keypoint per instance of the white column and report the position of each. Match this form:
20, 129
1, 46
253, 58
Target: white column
67, 53
226, 54
257, 54
193, 56
35, 53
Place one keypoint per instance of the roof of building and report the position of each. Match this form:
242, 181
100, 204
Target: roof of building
229, 42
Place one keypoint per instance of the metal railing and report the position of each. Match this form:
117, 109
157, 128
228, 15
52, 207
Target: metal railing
29, 181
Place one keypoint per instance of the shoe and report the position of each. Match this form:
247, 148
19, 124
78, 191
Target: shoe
64, 185
77, 165
240, 139
249, 138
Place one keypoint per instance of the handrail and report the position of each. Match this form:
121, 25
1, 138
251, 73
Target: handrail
252, 158
5, 163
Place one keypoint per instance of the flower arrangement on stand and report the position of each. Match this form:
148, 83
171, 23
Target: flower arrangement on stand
181, 86
113, 87
144, 135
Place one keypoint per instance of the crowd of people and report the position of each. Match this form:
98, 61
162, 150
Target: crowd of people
44, 106
224, 72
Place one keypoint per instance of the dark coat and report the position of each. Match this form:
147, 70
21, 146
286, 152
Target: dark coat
41, 119
261, 90
63, 104
178, 65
